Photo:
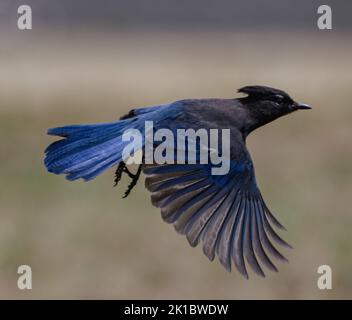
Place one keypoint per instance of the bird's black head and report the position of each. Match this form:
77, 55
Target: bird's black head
265, 104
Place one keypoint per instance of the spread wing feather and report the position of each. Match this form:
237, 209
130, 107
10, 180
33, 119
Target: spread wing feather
226, 213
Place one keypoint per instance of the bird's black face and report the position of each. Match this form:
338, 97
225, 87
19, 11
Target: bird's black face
266, 104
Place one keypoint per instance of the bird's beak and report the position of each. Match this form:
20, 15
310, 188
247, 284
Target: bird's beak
301, 106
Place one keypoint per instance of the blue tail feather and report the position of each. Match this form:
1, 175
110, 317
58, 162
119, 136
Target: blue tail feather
86, 150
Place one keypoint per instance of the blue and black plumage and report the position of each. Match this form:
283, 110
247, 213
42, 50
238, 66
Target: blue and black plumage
226, 213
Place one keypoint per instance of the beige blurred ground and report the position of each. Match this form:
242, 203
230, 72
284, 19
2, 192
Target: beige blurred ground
83, 241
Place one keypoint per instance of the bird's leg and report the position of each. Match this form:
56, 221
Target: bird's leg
129, 173
119, 171
118, 174
134, 178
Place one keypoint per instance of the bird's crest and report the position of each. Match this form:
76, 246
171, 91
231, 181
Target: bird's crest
261, 91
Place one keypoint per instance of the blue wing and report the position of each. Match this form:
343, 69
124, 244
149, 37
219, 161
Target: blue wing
226, 213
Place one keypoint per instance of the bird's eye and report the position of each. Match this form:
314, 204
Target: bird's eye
278, 98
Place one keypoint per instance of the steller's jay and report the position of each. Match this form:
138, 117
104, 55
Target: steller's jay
226, 212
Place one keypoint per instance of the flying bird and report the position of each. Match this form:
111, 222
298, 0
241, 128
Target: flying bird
226, 213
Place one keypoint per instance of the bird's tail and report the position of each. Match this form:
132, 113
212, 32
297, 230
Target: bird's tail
86, 150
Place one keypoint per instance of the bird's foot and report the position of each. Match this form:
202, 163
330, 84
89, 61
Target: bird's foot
118, 174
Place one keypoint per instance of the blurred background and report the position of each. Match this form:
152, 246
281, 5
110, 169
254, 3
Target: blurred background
91, 61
